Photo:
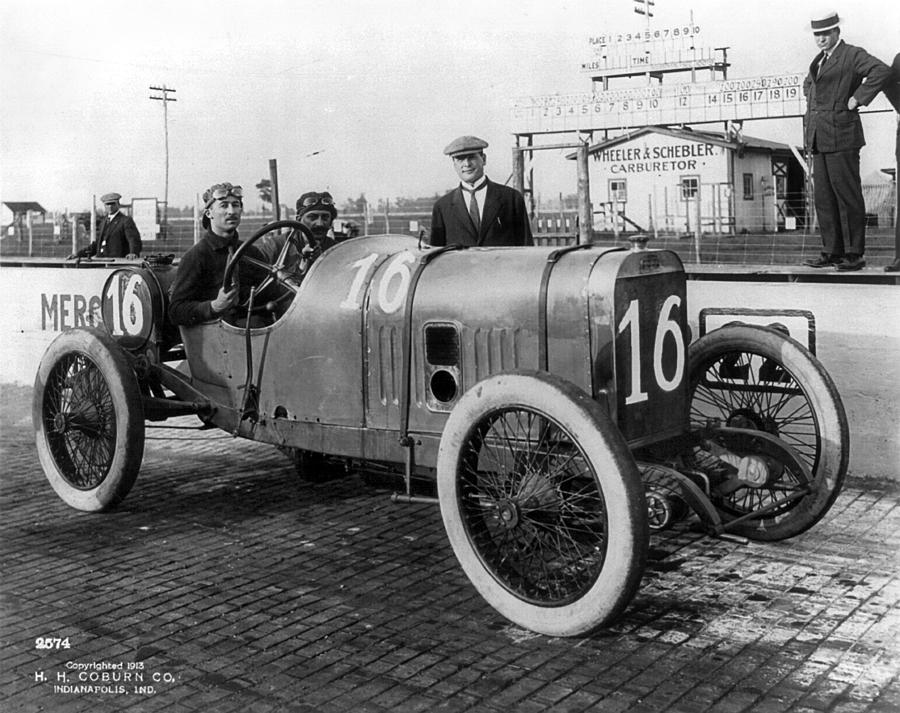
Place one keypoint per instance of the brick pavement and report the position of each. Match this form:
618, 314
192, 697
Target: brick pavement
229, 584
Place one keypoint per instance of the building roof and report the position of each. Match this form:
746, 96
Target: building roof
23, 206
743, 143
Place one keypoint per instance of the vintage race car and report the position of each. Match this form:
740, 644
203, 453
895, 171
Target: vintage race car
552, 395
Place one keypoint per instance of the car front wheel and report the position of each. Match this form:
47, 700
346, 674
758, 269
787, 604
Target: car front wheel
88, 420
543, 503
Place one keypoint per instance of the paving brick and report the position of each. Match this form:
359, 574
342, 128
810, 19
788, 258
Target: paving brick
261, 593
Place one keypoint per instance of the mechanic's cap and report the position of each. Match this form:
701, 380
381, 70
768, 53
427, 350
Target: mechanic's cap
110, 197
465, 145
314, 200
824, 22
216, 192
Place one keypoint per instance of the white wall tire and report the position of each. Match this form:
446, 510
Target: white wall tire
88, 420
532, 473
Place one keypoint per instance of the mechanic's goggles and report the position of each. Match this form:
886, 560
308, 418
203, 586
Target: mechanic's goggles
317, 199
220, 191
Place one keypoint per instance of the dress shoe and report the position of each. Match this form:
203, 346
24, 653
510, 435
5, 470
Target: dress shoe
893, 267
822, 261
853, 262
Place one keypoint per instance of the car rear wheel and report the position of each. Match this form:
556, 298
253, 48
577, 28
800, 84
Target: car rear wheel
543, 503
88, 420
757, 378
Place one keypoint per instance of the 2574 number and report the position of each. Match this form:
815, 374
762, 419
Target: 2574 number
49, 642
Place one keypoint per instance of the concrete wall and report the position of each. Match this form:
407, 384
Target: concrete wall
857, 336
857, 339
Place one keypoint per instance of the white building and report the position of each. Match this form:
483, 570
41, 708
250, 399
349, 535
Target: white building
651, 178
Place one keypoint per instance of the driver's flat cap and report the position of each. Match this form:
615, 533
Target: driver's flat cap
465, 145
110, 197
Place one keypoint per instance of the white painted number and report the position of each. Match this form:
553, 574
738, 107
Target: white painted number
397, 272
665, 325
394, 284
631, 319
351, 301
127, 310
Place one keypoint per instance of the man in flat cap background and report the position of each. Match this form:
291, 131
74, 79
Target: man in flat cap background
316, 210
841, 79
478, 211
119, 236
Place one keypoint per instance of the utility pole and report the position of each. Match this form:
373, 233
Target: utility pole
165, 99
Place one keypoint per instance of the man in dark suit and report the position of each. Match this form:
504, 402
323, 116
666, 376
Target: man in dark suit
478, 211
841, 79
119, 236
892, 92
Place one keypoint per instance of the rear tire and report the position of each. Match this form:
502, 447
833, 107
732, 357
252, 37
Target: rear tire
757, 378
88, 420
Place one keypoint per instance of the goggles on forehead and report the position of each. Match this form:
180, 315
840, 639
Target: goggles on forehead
222, 190
317, 199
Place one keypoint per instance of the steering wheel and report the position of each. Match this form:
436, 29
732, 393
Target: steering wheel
276, 273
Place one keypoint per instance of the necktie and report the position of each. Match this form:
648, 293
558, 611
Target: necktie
821, 64
473, 212
473, 207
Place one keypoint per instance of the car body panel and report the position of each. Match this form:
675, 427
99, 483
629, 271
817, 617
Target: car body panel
384, 336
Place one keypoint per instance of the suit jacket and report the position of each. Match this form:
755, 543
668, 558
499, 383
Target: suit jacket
504, 220
118, 237
850, 72
892, 87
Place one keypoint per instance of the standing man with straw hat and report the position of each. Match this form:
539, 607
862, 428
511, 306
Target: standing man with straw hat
841, 79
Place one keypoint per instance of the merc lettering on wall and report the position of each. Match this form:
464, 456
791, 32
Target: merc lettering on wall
63, 311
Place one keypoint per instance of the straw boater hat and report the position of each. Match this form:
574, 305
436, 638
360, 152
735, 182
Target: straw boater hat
825, 22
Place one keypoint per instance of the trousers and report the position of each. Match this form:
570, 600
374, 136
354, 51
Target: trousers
839, 202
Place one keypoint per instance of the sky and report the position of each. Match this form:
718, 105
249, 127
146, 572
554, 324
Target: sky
353, 96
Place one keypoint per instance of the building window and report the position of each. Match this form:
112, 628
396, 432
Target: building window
689, 187
748, 186
617, 191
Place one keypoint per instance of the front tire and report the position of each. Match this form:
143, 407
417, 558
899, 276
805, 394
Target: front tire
88, 420
542, 503
757, 378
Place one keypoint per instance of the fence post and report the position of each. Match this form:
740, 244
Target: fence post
585, 213
697, 229
196, 218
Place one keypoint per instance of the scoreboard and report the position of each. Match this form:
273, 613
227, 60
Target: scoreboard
773, 96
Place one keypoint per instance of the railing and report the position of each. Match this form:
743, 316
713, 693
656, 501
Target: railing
786, 238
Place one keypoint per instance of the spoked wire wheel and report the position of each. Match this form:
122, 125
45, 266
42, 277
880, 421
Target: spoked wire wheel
80, 421
88, 420
532, 505
542, 503
759, 379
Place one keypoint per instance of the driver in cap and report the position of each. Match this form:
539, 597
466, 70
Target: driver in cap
315, 210
197, 293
